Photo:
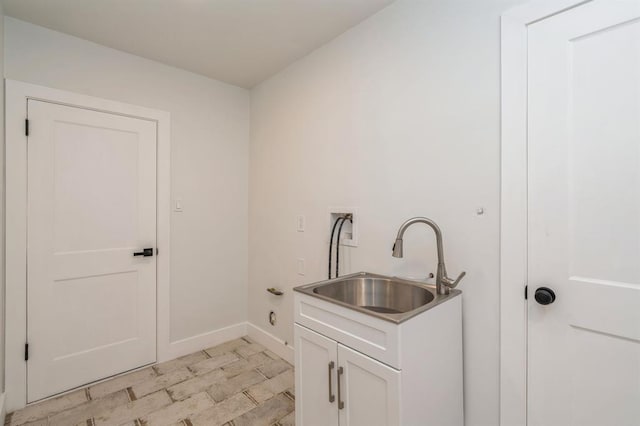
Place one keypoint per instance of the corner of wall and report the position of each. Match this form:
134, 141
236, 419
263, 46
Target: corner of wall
271, 342
205, 340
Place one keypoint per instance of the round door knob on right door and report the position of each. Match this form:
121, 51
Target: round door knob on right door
545, 296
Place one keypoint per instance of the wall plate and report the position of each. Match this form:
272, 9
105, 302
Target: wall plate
349, 236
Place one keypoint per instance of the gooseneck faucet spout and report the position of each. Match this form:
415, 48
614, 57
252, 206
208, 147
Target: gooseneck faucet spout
443, 282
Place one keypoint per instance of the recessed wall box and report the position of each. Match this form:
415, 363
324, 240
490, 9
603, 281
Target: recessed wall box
349, 235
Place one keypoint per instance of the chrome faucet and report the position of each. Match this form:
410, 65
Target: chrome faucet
443, 283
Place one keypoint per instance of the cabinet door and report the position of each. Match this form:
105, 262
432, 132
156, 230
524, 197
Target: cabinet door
370, 391
316, 359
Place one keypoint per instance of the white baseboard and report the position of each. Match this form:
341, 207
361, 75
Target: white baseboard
3, 409
271, 342
205, 340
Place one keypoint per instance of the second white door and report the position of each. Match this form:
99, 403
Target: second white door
91, 206
584, 216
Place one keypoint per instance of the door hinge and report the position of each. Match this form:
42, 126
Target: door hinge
26, 352
526, 292
26, 127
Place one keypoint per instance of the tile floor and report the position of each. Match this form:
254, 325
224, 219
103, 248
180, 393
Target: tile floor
237, 383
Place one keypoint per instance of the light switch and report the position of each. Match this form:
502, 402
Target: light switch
300, 223
300, 266
178, 206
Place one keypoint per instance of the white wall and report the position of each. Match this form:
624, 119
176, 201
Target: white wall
398, 117
209, 137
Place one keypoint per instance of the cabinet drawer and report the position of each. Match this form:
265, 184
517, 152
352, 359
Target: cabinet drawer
372, 336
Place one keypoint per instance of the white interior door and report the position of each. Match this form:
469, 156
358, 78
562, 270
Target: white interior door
584, 216
91, 309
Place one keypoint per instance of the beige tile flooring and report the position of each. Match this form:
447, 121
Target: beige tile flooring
237, 383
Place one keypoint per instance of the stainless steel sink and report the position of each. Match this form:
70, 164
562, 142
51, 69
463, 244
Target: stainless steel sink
390, 298
382, 295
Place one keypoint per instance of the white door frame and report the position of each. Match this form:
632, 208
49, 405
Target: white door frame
513, 218
16, 96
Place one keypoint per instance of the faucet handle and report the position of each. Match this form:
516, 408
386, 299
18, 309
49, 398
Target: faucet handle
451, 283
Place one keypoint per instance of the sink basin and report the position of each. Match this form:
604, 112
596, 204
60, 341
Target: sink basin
383, 295
390, 298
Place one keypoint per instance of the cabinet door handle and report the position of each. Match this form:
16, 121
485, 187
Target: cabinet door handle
332, 397
340, 401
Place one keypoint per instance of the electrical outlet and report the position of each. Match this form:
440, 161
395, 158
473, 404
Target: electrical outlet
300, 266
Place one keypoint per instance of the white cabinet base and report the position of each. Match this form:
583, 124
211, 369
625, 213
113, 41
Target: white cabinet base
392, 374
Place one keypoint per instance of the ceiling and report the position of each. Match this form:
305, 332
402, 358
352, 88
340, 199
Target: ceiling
241, 42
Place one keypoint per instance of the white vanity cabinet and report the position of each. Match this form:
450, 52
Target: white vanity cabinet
337, 385
353, 369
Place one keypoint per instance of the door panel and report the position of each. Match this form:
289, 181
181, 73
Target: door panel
314, 353
370, 391
584, 216
91, 205
105, 206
